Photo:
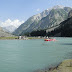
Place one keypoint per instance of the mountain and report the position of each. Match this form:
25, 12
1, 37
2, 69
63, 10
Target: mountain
64, 29
9, 29
4, 34
34, 19
44, 20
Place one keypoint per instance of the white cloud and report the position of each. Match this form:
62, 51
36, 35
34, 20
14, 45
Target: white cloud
9, 22
38, 9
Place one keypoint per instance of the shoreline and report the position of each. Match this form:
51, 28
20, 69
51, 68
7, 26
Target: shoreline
64, 66
16, 38
26, 38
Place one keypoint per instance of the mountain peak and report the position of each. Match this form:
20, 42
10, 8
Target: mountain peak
55, 7
58, 7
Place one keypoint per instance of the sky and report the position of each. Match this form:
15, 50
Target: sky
16, 12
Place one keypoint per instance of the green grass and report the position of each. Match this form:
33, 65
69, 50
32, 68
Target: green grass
34, 38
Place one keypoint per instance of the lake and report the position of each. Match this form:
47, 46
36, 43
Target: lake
31, 55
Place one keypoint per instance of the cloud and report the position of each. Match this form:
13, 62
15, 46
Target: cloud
9, 22
38, 9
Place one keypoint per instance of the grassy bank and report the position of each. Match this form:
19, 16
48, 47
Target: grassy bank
9, 37
16, 37
33, 38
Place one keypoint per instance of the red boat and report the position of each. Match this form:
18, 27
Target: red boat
49, 39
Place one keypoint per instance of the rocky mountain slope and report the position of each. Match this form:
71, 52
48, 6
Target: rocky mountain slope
44, 20
34, 19
70, 14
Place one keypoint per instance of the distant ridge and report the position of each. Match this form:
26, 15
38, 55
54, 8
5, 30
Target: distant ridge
9, 29
4, 33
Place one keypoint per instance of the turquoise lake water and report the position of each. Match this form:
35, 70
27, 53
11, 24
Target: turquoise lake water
31, 55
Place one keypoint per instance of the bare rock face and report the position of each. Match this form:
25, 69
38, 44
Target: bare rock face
70, 14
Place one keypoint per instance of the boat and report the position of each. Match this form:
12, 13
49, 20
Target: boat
49, 39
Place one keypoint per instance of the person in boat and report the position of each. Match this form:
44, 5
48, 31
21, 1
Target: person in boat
48, 37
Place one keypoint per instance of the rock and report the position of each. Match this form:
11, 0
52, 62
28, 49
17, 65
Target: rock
70, 14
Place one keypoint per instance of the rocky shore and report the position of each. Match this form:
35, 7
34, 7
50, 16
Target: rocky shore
65, 66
